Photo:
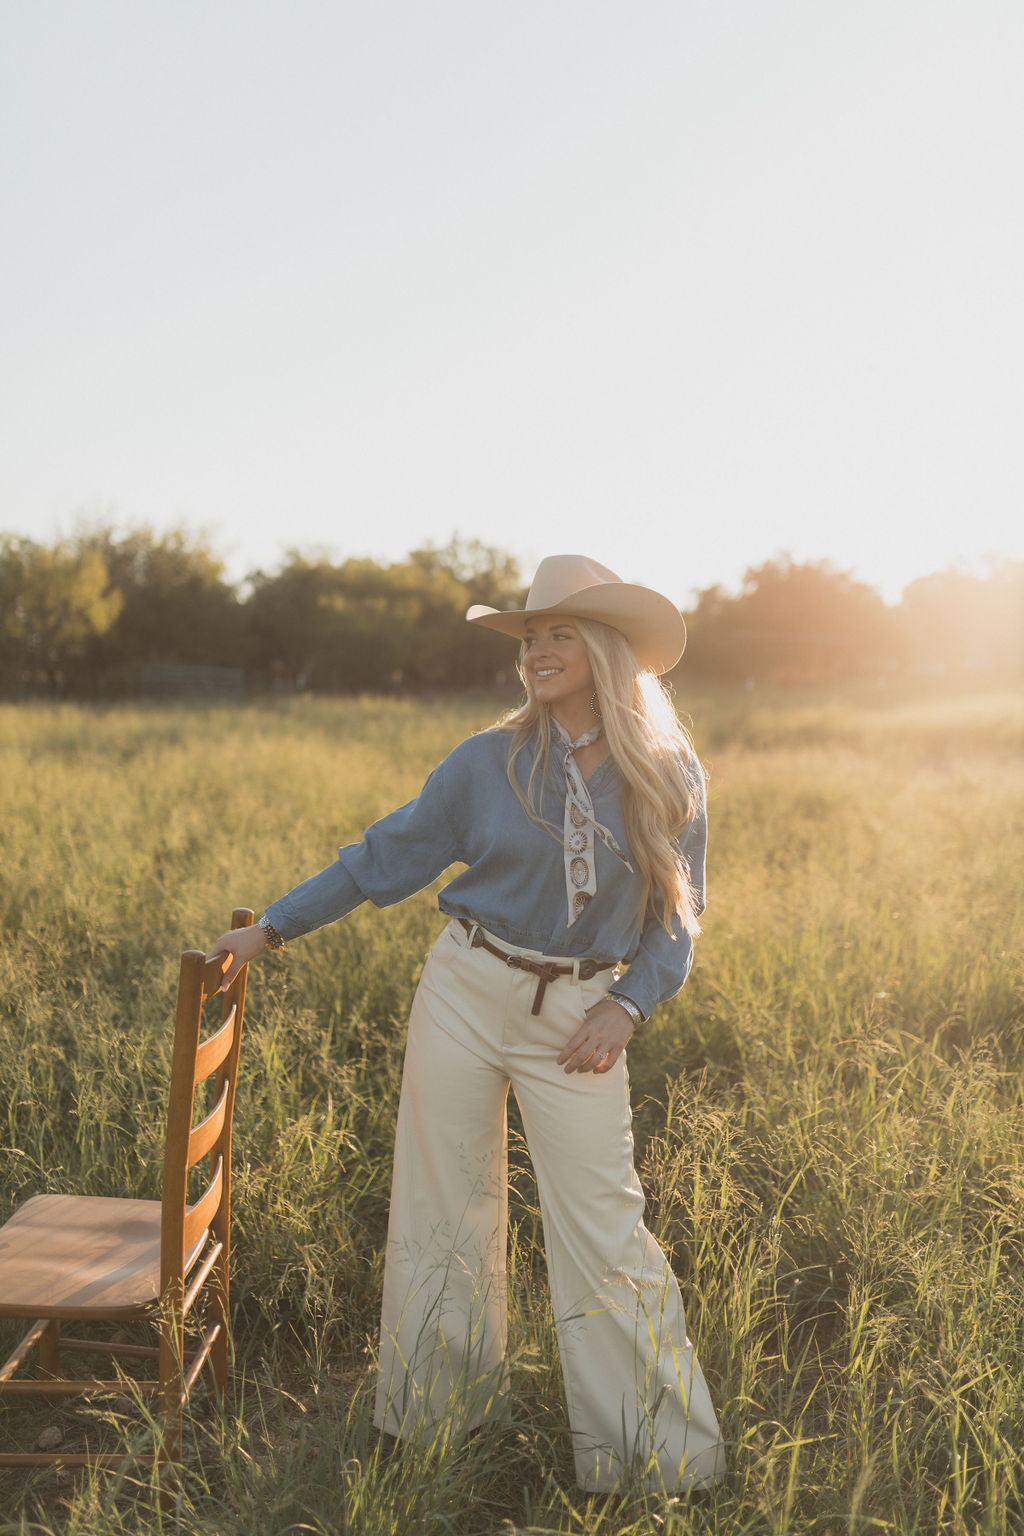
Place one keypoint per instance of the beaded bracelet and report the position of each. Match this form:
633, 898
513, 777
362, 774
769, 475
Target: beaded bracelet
274, 939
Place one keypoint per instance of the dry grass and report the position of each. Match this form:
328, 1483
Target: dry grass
828, 1118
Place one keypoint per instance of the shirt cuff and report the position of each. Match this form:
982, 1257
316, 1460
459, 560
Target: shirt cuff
321, 899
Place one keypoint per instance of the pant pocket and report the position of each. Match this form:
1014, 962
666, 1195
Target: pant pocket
592, 991
450, 941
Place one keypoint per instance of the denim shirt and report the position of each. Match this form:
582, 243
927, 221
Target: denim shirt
514, 881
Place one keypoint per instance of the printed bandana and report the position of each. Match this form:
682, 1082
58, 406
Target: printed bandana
579, 826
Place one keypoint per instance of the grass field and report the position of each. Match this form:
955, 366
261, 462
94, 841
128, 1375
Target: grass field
828, 1118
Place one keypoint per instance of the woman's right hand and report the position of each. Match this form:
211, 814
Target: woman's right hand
243, 945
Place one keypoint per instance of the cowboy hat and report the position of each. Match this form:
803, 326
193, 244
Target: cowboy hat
582, 589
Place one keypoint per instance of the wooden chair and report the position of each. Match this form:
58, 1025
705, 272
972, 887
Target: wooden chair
86, 1258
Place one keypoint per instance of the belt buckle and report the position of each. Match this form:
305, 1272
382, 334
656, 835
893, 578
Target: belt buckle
514, 962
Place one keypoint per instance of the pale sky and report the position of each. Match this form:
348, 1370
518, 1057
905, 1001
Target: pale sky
678, 283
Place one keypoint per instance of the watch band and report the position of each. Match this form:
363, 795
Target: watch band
631, 1008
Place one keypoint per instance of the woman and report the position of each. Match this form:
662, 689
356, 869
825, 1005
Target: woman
580, 819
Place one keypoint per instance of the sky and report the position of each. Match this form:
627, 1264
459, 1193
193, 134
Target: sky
679, 284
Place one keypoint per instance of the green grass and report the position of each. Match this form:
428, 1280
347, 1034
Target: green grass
828, 1118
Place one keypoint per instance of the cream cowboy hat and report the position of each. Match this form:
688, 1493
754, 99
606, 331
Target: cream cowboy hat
580, 588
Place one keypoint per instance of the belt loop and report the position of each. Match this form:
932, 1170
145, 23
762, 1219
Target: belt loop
575, 973
473, 928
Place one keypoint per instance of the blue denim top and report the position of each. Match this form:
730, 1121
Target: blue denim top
514, 881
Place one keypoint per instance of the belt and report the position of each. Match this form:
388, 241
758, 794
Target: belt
545, 970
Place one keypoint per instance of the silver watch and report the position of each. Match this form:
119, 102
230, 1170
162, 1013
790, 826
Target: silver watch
631, 1008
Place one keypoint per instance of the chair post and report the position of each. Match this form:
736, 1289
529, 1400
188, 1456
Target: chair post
219, 1294
187, 1026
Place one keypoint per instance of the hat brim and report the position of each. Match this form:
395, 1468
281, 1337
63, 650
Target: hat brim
653, 626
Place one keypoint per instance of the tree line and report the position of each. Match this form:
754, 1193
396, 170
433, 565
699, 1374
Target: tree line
87, 616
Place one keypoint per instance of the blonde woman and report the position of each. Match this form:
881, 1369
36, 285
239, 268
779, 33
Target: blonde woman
580, 819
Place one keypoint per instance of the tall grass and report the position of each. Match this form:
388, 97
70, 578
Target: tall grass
828, 1117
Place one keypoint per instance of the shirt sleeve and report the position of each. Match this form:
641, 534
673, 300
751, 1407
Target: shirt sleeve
663, 960
399, 855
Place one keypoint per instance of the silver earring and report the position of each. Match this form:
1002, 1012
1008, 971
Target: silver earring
595, 707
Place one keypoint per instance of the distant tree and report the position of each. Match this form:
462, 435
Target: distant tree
177, 605
491, 575
473, 656
714, 648
360, 626
393, 625
958, 624
289, 619
53, 602
792, 623
815, 623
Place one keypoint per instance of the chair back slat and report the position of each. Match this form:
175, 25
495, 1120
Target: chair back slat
204, 1135
199, 1217
215, 1050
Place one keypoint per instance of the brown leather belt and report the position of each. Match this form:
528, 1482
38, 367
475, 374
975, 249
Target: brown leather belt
544, 970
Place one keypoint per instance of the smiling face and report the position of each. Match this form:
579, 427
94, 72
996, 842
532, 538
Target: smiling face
557, 667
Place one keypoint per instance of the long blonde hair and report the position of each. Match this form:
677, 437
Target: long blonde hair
662, 779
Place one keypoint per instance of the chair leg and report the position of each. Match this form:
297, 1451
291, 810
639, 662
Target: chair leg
172, 1350
49, 1349
168, 1450
169, 1479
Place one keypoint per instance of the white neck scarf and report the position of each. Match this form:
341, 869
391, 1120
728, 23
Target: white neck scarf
579, 826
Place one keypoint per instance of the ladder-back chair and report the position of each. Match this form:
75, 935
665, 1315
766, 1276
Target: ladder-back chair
84, 1258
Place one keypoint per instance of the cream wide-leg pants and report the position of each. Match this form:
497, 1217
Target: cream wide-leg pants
638, 1403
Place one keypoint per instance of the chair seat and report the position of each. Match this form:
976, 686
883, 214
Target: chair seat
82, 1255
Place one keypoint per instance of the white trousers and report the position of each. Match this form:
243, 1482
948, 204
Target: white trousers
638, 1403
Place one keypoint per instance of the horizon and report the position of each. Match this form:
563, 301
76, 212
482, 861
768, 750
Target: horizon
983, 568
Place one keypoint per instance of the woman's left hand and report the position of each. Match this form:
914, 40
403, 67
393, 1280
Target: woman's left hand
600, 1040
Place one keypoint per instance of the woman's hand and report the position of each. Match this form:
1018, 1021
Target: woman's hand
243, 945
600, 1040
